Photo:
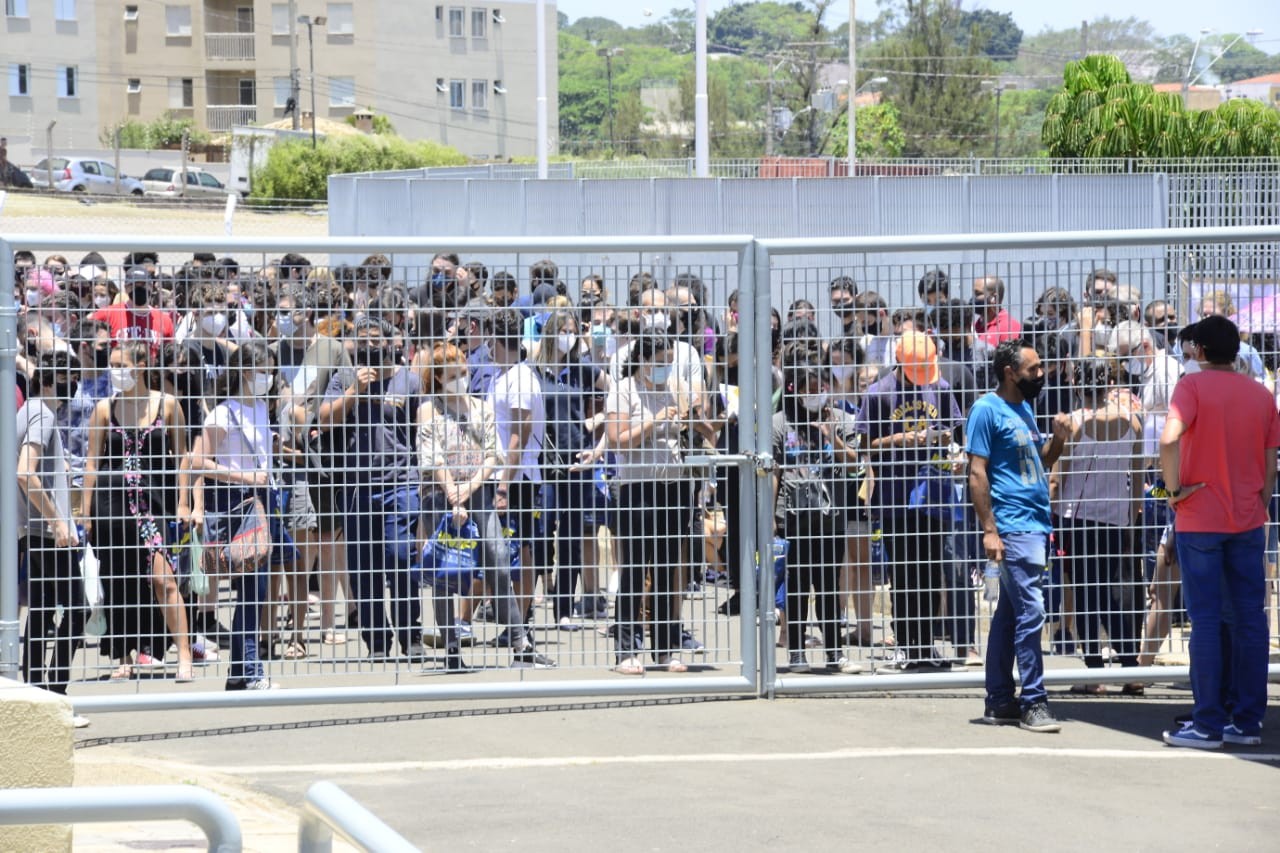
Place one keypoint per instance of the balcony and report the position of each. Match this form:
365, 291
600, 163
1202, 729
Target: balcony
222, 119
232, 47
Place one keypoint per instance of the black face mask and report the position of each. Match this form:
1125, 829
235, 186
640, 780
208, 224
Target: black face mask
138, 295
873, 329
1031, 388
101, 358
370, 355
66, 390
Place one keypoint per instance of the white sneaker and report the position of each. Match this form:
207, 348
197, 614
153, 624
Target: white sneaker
262, 684
79, 721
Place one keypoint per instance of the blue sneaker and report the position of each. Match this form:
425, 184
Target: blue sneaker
1242, 737
463, 627
1191, 737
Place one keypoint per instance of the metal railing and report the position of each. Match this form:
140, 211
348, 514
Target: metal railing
327, 809
219, 118
32, 806
237, 47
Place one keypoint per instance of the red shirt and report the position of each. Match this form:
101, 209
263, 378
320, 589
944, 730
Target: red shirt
1232, 430
1002, 327
155, 326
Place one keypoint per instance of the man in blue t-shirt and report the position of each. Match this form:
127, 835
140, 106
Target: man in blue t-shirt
1008, 457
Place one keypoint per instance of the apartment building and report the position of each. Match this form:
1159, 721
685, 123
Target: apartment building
459, 73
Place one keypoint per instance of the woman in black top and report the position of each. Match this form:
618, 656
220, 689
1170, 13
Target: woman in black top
131, 489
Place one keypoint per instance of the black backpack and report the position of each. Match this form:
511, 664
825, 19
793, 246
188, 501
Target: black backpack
564, 434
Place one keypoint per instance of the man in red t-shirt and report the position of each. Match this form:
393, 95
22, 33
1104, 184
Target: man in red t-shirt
1218, 454
994, 324
136, 319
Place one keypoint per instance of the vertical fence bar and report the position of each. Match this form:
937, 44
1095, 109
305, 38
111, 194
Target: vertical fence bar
753, 651
8, 465
762, 445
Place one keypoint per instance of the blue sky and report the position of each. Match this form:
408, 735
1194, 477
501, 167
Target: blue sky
1167, 16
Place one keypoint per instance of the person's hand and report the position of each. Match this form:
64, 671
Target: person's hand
460, 516
259, 479
64, 535
586, 458
184, 515
197, 520
85, 523
459, 494
670, 413
365, 376
501, 501
993, 547
1185, 492
1062, 426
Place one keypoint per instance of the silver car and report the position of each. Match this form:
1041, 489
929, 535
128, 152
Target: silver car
81, 175
166, 182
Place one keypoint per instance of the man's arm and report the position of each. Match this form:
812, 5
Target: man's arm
41, 501
1052, 449
980, 494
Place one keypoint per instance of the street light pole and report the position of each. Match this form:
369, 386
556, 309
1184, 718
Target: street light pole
295, 85
540, 88
853, 85
307, 20
701, 115
1188, 81
995, 153
609, 53
1191, 66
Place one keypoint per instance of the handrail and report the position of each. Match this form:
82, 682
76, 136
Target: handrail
27, 806
328, 809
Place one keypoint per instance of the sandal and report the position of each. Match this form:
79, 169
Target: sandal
630, 666
185, 674
1089, 689
673, 664
296, 650
123, 672
333, 638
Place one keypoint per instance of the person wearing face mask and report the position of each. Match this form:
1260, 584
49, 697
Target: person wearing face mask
654, 498
104, 293
94, 352
133, 488
372, 406
875, 335
233, 461
457, 456
908, 421
994, 323
135, 319
812, 443
842, 292
1008, 458
572, 393
47, 535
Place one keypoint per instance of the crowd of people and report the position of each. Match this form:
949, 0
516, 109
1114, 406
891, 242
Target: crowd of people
224, 438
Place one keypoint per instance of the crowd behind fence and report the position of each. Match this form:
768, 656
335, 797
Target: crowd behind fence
254, 471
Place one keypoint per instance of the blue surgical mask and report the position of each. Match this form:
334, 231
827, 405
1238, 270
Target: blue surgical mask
285, 325
660, 374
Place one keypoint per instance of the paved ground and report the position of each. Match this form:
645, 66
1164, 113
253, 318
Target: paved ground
675, 774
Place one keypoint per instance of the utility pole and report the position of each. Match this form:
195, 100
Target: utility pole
853, 86
701, 110
769, 122
812, 130
48, 151
295, 74
609, 53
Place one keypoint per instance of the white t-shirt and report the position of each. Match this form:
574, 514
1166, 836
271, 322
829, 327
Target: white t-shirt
246, 440
1157, 389
659, 457
518, 390
687, 372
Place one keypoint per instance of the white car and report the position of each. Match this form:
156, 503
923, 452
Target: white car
80, 175
165, 182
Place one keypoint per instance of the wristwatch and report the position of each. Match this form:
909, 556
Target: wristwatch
1173, 493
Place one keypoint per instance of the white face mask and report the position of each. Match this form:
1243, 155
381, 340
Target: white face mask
260, 384
813, 402
456, 387
656, 321
101, 301
214, 324
33, 297
1134, 366
564, 343
841, 372
122, 379
1190, 366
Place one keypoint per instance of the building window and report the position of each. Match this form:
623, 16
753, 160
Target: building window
248, 92
279, 19
342, 92
479, 23
342, 20
68, 81
181, 93
19, 80
135, 85
64, 10
131, 13
283, 90
456, 22
177, 21
479, 95
456, 93
15, 8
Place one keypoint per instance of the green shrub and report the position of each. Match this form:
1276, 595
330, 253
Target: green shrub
165, 131
295, 170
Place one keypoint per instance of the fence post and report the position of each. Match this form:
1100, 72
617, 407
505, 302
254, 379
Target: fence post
8, 466
761, 435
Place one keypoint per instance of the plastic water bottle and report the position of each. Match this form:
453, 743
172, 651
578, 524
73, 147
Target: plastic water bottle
991, 581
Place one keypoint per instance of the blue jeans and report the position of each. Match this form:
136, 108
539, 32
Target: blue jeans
1224, 585
251, 591
1019, 616
380, 544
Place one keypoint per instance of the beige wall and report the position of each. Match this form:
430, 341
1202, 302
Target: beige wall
35, 752
44, 44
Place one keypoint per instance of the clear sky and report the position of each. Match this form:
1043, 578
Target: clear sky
1167, 16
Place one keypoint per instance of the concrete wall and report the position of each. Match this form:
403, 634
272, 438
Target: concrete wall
35, 752
44, 44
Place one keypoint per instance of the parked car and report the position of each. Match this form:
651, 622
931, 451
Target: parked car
80, 175
166, 181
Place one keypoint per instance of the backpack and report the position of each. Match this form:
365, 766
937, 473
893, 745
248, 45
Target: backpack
564, 434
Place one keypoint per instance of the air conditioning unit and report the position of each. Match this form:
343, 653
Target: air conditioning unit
135, 86
497, 17
498, 88
440, 85
439, 13
131, 13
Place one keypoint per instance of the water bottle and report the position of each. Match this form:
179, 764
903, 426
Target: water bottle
991, 581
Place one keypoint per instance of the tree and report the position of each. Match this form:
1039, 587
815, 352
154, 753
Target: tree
1243, 61
1241, 127
934, 83
1131, 39
878, 131
595, 28
995, 31
296, 170
760, 28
